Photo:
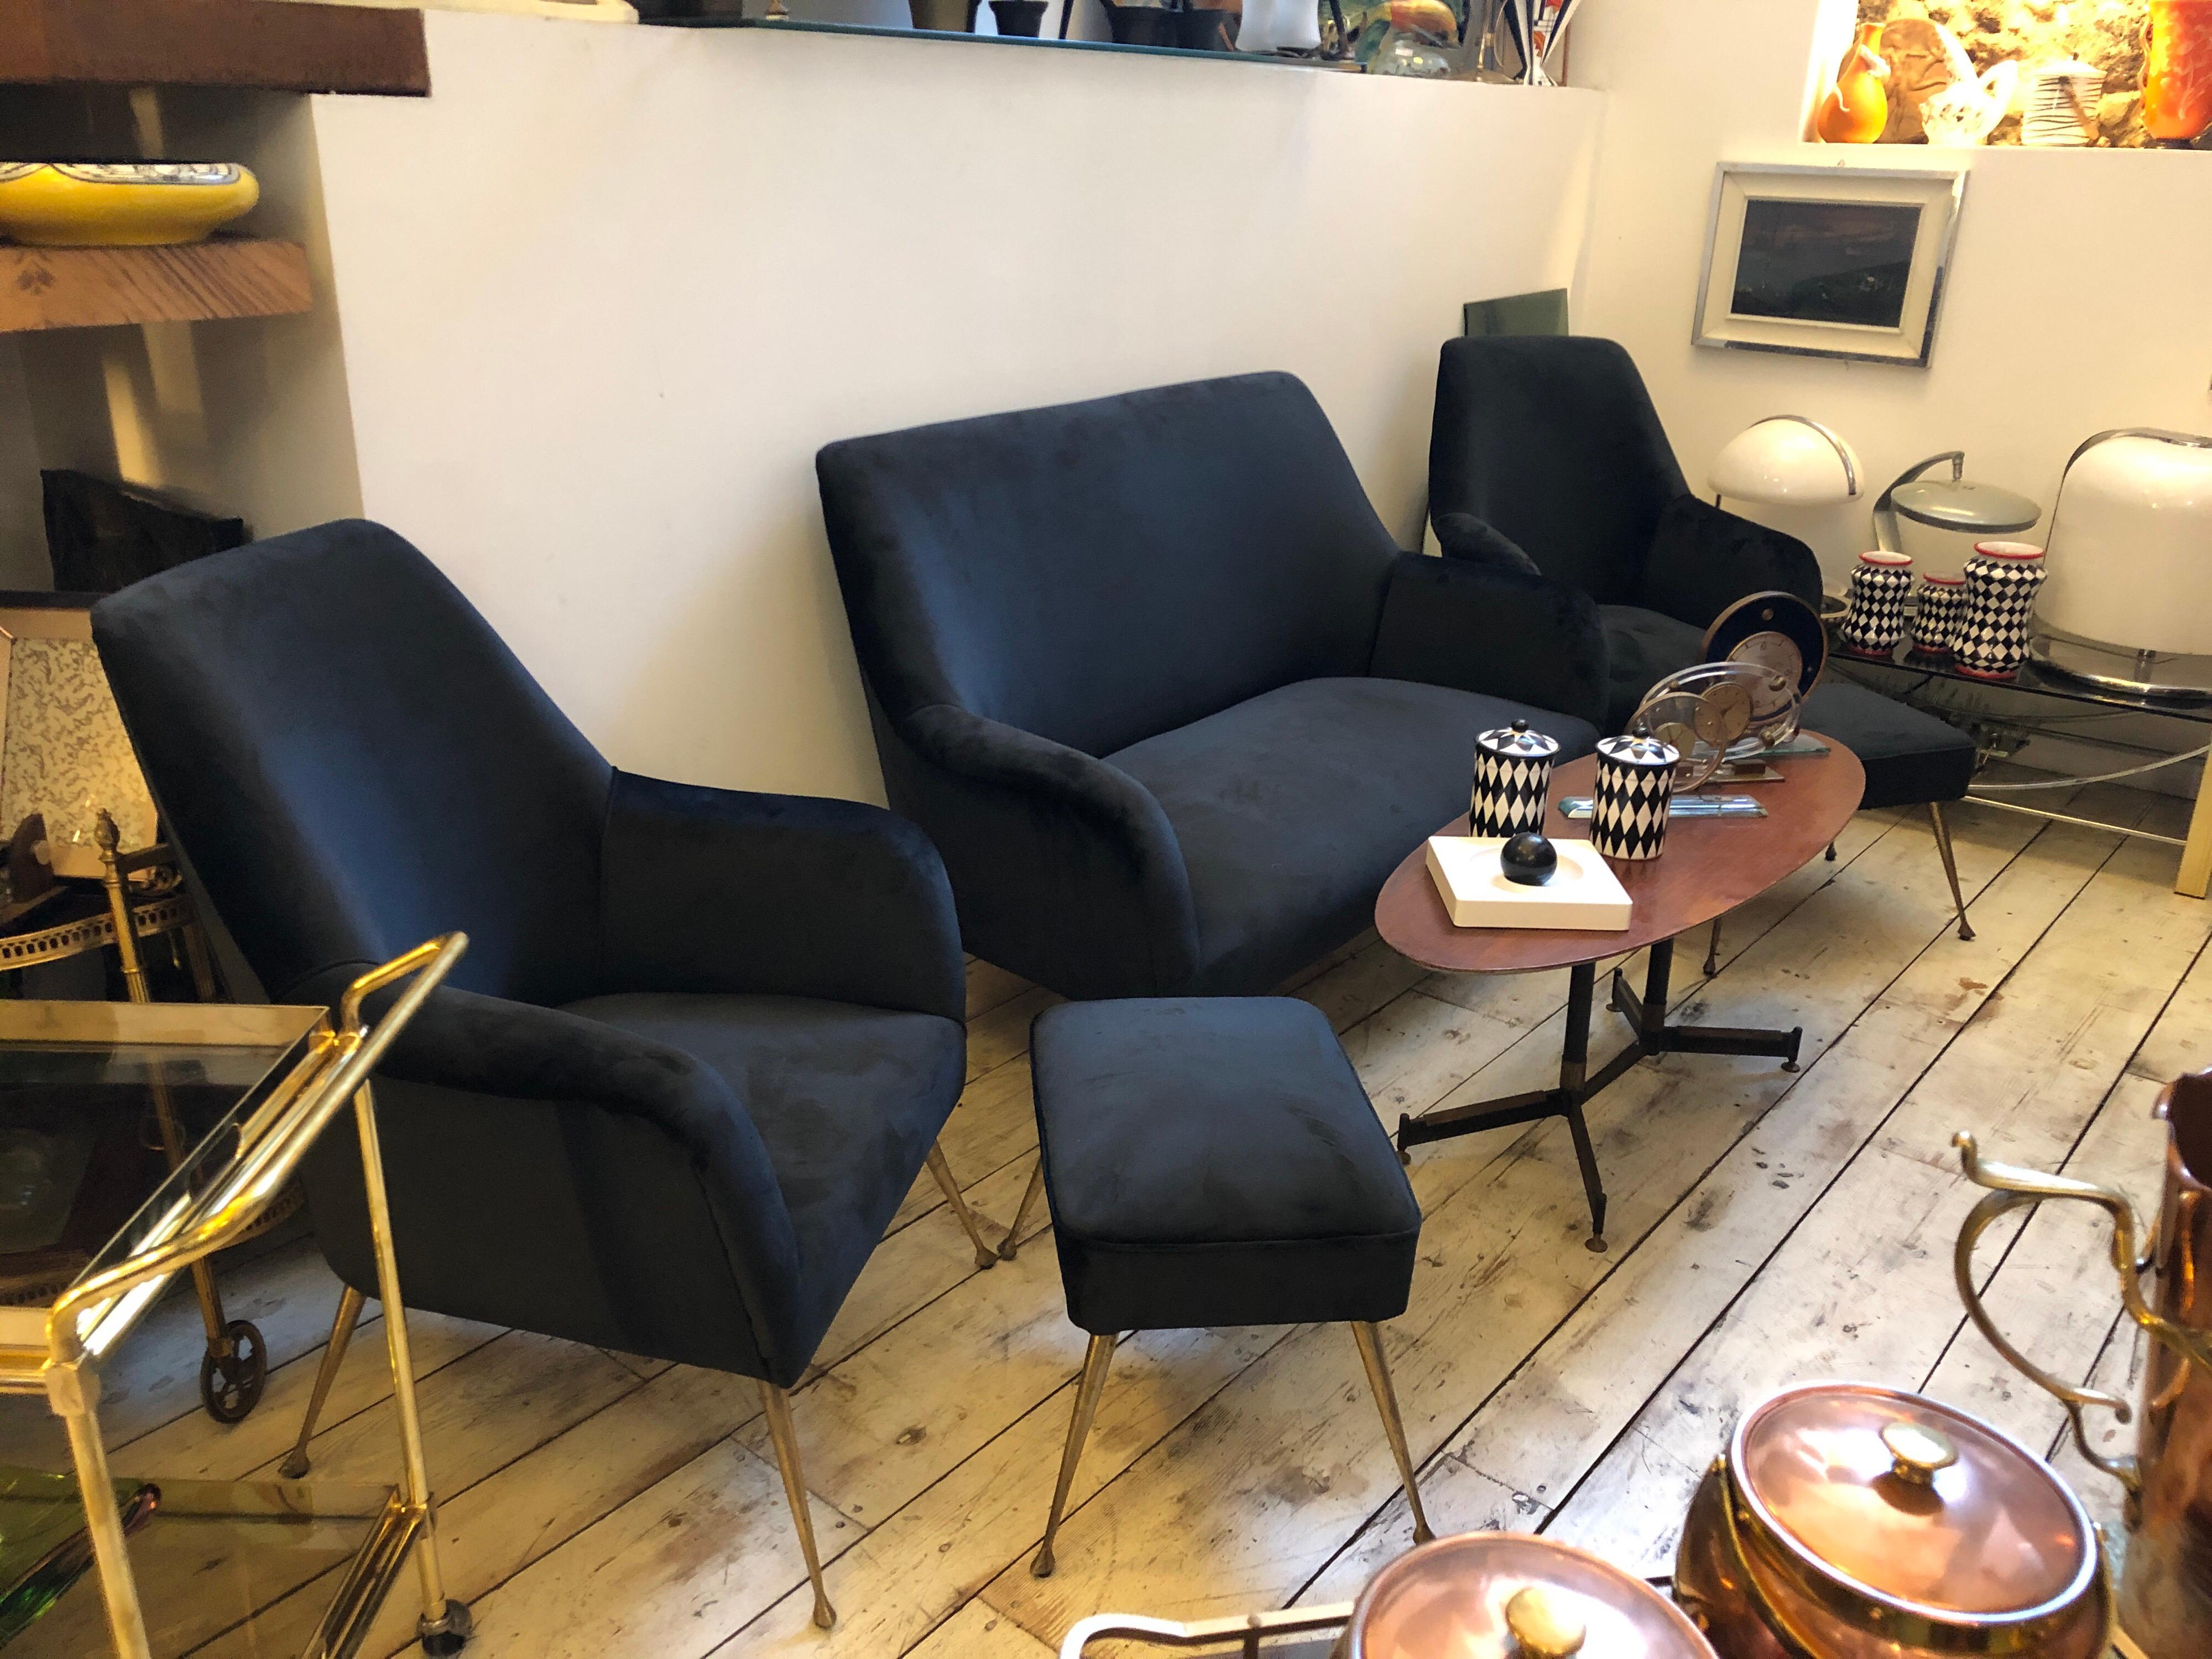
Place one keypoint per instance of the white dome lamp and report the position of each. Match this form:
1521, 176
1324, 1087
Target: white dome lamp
2128, 607
1786, 460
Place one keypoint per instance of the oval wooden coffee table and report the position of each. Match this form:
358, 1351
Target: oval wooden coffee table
1709, 867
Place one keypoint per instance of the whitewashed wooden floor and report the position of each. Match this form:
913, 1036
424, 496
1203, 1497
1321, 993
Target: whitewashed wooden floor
1766, 1228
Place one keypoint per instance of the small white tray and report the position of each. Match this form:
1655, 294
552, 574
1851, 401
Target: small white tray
1583, 894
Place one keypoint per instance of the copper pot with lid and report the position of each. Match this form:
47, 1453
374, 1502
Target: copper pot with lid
1849, 1520
1503, 1595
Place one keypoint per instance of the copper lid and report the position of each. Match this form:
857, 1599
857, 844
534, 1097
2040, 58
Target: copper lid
1909, 1502
1513, 1595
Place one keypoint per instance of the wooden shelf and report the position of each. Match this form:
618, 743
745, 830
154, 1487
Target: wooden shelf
43, 288
276, 46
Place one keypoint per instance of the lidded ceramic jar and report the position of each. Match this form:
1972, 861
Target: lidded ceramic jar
1510, 1595
1512, 780
1848, 1520
1635, 788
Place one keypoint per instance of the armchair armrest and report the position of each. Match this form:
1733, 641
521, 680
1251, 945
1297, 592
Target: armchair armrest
714, 890
1502, 632
1032, 828
1705, 558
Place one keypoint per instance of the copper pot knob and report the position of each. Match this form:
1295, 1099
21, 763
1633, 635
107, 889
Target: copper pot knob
1544, 1623
1919, 1452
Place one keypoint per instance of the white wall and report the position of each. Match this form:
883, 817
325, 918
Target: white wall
606, 291
2079, 298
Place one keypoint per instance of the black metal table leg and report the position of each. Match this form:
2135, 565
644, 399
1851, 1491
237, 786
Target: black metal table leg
1574, 1073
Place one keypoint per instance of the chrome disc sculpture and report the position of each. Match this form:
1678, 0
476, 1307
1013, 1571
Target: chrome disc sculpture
1766, 654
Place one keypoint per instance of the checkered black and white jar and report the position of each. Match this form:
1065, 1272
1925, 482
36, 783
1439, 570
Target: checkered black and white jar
1512, 777
1635, 785
1879, 582
2002, 579
1941, 601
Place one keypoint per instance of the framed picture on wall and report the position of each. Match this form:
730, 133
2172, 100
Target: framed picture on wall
1840, 261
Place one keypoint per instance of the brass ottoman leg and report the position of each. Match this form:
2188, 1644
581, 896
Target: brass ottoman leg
294, 1468
1095, 1358
1012, 1241
1386, 1400
794, 1490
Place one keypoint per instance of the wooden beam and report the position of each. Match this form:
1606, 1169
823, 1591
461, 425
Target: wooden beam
276, 46
43, 288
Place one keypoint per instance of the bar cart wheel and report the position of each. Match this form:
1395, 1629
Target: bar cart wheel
443, 1638
232, 1377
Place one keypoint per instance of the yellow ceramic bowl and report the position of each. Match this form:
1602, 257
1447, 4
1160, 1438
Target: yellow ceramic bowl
121, 203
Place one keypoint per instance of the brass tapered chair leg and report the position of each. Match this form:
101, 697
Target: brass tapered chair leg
294, 1468
1950, 867
1095, 1358
778, 1405
1012, 1241
985, 1256
1393, 1429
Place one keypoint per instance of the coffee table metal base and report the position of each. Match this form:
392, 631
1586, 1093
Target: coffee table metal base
1647, 1015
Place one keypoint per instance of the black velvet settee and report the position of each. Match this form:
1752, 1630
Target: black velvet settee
1161, 687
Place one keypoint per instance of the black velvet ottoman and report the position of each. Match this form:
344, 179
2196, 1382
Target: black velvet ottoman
1214, 1161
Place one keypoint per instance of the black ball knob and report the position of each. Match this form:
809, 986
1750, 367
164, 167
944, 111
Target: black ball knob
1528, 859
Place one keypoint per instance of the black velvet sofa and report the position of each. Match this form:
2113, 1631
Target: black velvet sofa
1167, 696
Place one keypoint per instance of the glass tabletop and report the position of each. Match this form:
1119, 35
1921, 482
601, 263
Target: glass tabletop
2031, 678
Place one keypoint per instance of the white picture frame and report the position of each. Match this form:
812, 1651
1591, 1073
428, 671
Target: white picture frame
1837, 261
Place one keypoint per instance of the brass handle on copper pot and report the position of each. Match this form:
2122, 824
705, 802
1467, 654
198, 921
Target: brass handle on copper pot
1786, 1635
1917, 1452
1544, 1623
2014, 1188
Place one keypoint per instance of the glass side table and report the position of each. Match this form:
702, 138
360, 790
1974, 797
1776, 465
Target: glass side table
280, 1076
2039, 700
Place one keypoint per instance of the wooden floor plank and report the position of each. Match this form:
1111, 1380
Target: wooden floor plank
990, 986
976, 1632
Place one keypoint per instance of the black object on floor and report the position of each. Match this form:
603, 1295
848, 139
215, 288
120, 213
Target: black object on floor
102, 536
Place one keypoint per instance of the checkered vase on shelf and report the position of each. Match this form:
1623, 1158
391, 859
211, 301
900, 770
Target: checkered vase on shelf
1935, 614
1879, 582
1634, 785
2002, 579
1512, 778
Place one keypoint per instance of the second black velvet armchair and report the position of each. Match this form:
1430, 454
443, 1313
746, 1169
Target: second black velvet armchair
703, 1041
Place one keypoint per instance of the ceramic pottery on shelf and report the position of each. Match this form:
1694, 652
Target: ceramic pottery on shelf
1140, 25
2177, 99
943, 16
1880, 581
121, 203
1512, 774
1857, 1522
1857, 107
1634, 785
1024, 17
1935, 614
2061, 105
2002, 579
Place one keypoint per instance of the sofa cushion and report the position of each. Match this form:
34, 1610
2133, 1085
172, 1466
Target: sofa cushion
1293, 809
1214, 1161
847, 1100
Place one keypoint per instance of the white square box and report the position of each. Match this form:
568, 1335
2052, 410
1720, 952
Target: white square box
1583, 894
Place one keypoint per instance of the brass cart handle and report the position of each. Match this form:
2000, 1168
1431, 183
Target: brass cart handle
2013, 1188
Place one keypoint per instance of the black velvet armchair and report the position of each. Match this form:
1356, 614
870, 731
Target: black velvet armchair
1162, 687
703, 1041
1547, 459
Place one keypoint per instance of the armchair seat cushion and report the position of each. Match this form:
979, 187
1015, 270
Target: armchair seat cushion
1911, 757
846, 1099
1291, 809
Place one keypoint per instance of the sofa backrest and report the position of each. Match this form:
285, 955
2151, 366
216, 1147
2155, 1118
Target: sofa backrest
1553, 441
1101, 572
355, 762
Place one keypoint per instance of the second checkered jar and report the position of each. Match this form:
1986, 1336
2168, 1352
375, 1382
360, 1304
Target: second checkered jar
2002, 579
1634, 785
1935, 614
1512, 779
1880, 581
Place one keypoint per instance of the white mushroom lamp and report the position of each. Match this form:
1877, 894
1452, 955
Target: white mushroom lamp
1786, 460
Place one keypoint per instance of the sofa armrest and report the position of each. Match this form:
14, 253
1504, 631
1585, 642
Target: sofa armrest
1031, 827
1502, 633
718, 889
1705, 558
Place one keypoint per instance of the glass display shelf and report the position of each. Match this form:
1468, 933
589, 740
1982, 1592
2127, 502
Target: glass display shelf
796, 26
